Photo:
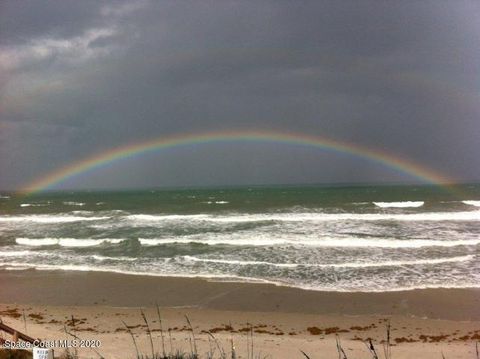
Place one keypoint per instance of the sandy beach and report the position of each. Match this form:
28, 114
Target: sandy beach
424, 323
239, 179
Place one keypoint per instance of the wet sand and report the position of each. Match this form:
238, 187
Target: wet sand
283, 320
93, 288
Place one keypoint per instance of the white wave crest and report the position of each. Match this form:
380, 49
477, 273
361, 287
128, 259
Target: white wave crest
49, 219
62, 257
216, 202
405, 204
211, 242
323, 217
335, 265
4, 197
104, 258
321, 242
314, 217
66, 242
168, 217
70, 203
15, 253
37, 242
238, 262
472, 203
81, 212
34, 204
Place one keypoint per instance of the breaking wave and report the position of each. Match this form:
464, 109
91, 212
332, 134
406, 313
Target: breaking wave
327, 242
70, 203
335, 265
66, 242
49, 219
472, 203
404, 204
149, 217
15, 253
313, 216
357, 239
34, 204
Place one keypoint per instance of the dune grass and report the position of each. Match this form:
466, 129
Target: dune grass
216, 349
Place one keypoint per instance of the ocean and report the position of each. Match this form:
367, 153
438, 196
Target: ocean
339, 238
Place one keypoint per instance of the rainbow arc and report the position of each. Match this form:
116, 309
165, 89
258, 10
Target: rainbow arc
94, 162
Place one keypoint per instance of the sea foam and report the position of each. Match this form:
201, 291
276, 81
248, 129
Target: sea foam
313, 217
168, 217
66, 242
34, 204
321, 242
472, 203
49, 218
404, 204
15, 253
87, 268
71, 203
336, 265
362, 286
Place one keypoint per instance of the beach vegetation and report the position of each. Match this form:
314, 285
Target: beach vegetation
216, 349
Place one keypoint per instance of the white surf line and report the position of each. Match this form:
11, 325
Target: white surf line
315, 217
338, 243
84, 268
166, 217
404, 204
16, 253
472, 203
34, 204
71, 203
16, 266
340, 265
66, 242
62, 256
242, 263
49, 219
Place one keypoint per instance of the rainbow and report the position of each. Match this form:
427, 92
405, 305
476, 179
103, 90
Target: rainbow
119, 153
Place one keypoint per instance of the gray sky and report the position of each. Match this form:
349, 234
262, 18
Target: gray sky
80, 77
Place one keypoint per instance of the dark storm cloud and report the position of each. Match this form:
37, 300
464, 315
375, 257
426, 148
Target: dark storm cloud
77, 78
23, 21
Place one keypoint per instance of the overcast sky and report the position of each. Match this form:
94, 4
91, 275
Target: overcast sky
80, 77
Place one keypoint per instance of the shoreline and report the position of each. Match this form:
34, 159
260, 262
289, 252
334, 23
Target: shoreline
67, 288
214, 278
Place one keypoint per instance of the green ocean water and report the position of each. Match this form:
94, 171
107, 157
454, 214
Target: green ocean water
341, 238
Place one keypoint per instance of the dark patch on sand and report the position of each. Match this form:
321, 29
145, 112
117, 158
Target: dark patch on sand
433, 338
36, 316
11, 312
